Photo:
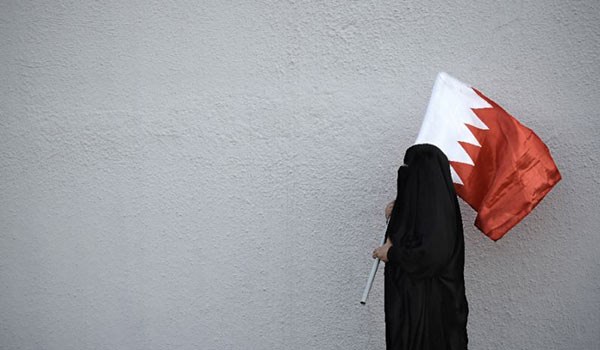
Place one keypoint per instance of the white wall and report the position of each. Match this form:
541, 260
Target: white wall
194, 175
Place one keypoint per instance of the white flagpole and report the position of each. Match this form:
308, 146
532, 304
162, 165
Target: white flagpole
373, 272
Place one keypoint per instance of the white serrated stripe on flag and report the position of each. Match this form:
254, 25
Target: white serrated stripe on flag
448, 112
455, 178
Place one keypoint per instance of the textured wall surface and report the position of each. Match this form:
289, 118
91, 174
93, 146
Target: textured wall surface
211, 175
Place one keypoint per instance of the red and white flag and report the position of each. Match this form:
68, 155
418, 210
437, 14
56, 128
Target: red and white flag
501, 168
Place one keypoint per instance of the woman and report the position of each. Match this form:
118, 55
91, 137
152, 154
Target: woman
425, 301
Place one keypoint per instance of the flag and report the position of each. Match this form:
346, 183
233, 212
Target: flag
501, 168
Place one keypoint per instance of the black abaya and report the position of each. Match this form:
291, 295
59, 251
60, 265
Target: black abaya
425, 303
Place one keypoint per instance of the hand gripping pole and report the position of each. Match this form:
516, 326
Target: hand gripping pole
373, 273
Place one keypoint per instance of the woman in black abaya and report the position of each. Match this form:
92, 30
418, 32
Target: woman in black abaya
425, 303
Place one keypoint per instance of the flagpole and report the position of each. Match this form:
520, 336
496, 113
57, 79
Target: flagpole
373, 272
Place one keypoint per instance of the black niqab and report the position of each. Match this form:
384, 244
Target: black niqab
425, 303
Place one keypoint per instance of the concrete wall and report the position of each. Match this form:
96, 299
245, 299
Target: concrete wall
213, 175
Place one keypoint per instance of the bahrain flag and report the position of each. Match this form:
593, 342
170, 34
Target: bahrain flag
501, 168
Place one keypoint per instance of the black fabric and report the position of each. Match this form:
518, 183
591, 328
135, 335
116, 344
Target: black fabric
425, 303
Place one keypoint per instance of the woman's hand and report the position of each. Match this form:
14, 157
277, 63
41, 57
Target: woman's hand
382, 251
388, 209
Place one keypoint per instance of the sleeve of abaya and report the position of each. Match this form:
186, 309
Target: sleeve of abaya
398, 202
430, 223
